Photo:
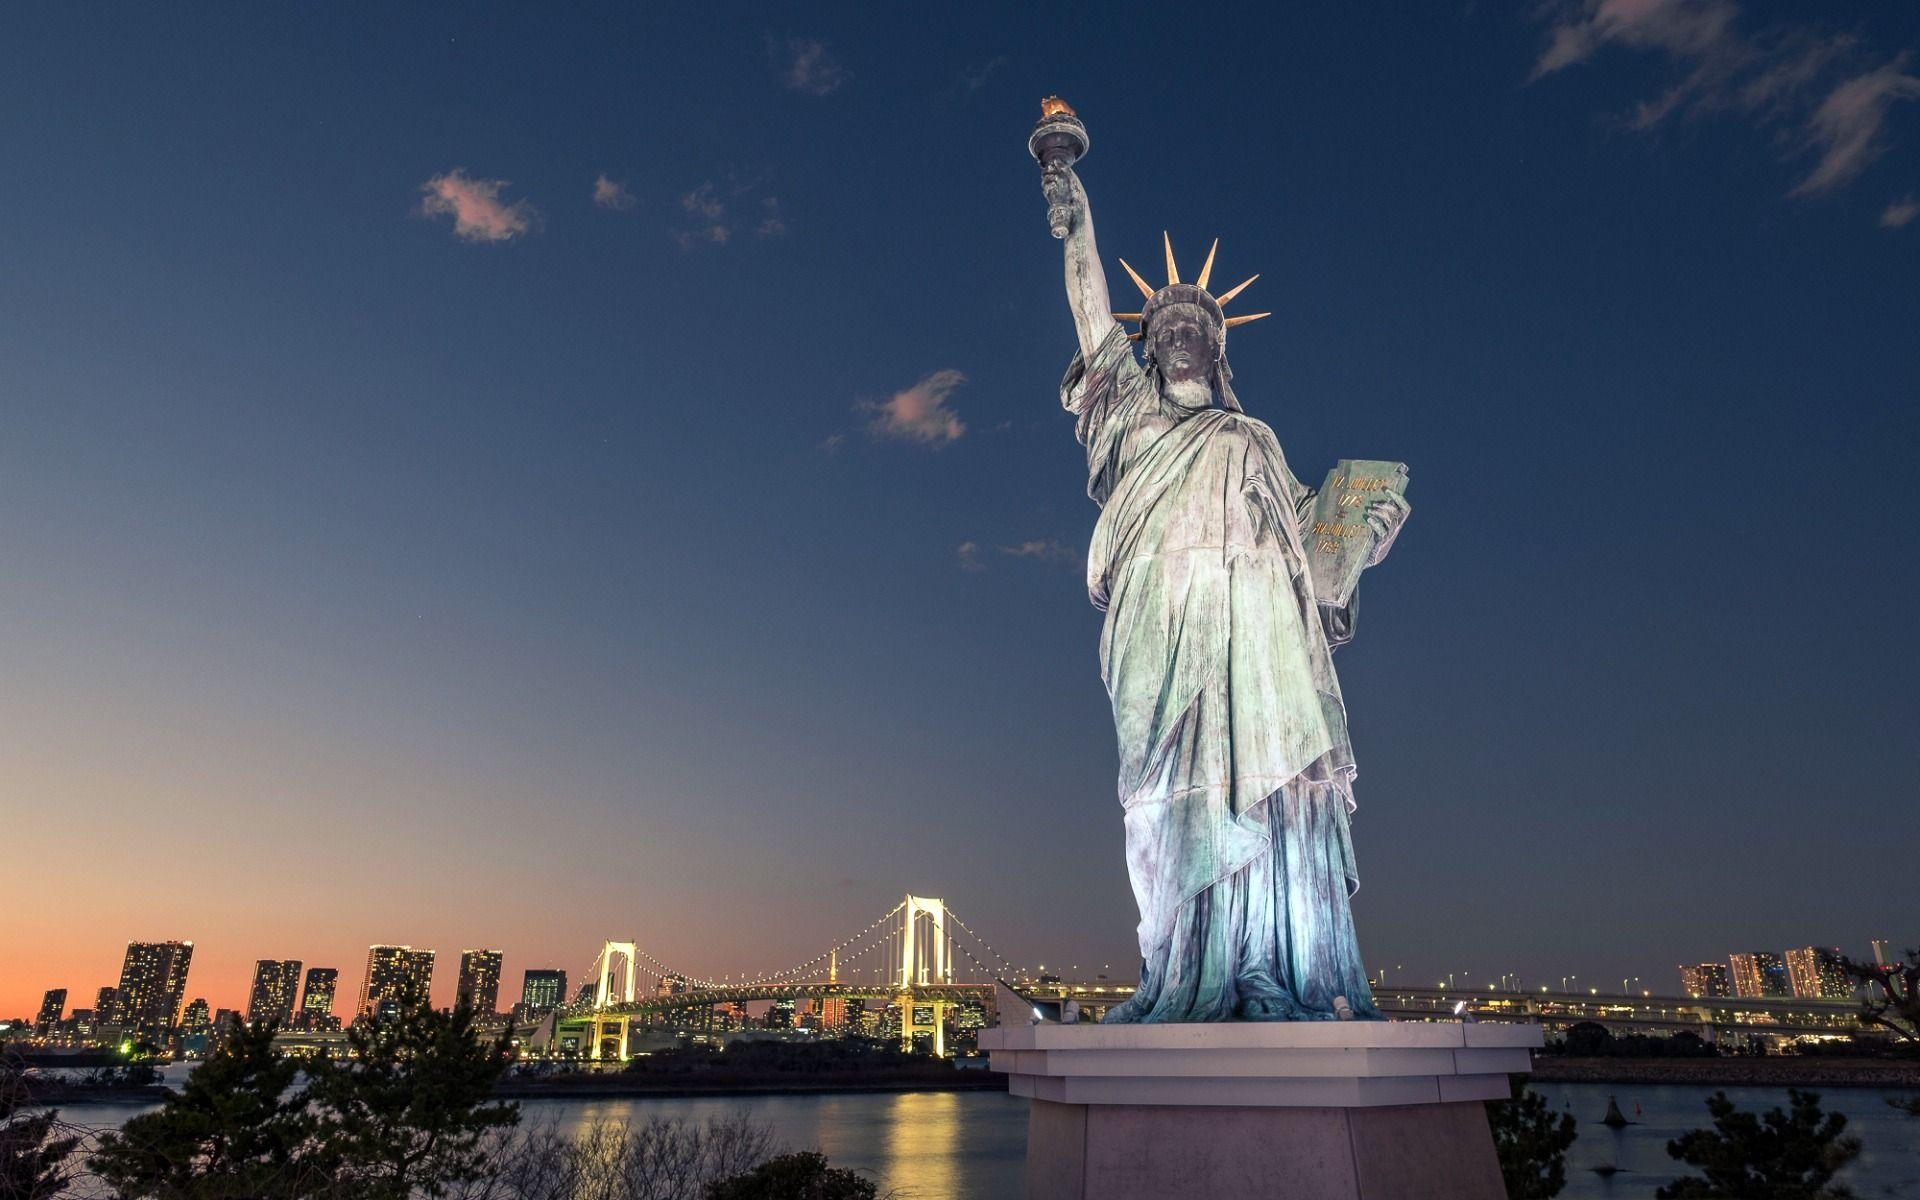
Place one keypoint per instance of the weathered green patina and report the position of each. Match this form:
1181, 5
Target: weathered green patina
1235, 768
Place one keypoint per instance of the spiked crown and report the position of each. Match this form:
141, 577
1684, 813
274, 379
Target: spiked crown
1176, 292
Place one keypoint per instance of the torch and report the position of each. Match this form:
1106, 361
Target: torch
1058, 140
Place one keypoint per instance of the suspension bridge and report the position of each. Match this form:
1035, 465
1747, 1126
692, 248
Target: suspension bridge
911, 957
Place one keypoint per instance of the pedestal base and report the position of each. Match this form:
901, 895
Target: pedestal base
1324, 1111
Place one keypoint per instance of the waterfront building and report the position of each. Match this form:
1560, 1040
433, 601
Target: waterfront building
316, 998
153, 985
397, 977
195, 1018
1759, 974
670, 985
275, 984
106, 1006
1880, 953
1706, 979
541, 991
479, 987
1816, 974
780, 1015
52, 1005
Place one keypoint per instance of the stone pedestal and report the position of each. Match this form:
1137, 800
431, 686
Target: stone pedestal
1348, 1110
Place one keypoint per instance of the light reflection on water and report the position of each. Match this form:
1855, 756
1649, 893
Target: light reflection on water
922, 1145
973, 1145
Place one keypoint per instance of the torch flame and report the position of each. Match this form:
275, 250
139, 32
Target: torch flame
1054, 106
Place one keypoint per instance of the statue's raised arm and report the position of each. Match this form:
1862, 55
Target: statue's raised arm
1057, 143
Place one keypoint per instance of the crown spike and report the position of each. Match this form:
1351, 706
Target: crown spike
1126, 316
1206, 269
1232, 321
1222, 300
1134, 337
1137, 281
1173, 272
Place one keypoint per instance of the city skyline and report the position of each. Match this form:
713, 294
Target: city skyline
1814, 976
464, 490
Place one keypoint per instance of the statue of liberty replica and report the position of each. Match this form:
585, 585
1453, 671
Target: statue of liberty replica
1227, 585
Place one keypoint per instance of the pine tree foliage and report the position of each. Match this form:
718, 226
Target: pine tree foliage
32, 1157
1790, 1154
1532, 1142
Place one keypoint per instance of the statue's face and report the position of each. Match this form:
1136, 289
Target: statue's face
1182, 346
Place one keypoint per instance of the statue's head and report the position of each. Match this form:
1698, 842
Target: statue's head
1185, 341
1185, 332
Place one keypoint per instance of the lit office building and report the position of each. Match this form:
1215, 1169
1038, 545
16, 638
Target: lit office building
106, 1006
542, 991
479, 986
195, 1017
276, 982
1704, 980
153, 984
1760, 974
398, 977
52, 1006
316, 999
1816, 974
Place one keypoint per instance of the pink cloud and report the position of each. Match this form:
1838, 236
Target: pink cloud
609, 194
1847, 128
478, 213
807, 67
1899, 213
920, 413
1783, 79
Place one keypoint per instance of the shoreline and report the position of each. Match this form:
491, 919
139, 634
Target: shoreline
611, 1087
1781, 1071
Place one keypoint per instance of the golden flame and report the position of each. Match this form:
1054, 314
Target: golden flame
1054, 106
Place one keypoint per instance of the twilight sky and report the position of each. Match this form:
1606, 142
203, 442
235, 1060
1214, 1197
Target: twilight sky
481, 476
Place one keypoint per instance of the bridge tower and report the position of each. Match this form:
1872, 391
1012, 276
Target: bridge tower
604, 997
925, 959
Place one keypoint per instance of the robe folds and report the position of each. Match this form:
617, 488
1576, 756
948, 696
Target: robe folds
1235, 768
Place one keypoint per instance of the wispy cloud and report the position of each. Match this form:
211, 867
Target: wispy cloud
1807, 87
1848, 129
1041, 549
716, 214
972, 79
1899, 213
920, 413
612, 194
973, 556
805, 65
479, 215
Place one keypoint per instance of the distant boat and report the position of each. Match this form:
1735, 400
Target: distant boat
1614, 1119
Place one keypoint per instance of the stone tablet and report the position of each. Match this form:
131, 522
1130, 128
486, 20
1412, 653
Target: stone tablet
1339, 541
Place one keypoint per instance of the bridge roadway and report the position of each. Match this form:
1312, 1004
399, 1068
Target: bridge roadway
1556, 1010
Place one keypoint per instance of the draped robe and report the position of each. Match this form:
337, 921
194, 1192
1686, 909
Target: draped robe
1235, 769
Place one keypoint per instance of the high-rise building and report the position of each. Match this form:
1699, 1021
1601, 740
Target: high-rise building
397, 978
1880, 953
106, 1006
479, 981
542, 991
1759, 974
1816, 974
52, 1006
194, 1017
153, 984
275, 983
1705, 979
322, 982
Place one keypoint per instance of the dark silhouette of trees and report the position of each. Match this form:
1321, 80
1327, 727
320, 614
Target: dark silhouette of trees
231, 1132
803, 1176
32, 1156
407, 1111
1783, 1155
1891, 999
1532, 1142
